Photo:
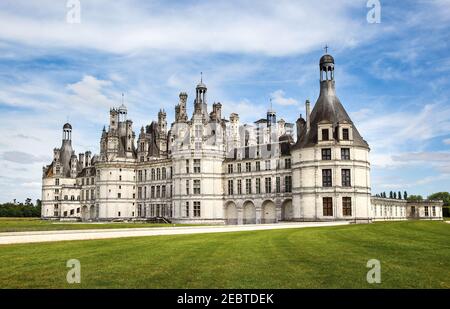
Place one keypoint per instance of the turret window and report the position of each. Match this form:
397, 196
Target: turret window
345, 134
326, 154
346, 206
327, 207
325, 134
197, 166
346, 178
326, 178
345, 153
287, 183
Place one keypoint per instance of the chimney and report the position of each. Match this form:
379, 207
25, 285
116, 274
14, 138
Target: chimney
87, 158
308, 115
81, 159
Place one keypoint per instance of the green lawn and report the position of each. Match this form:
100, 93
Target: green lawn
413, 254
35, 224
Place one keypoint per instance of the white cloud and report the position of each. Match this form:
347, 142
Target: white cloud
446, 141
278, 97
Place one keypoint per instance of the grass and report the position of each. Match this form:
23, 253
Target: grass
413, 254
35, 224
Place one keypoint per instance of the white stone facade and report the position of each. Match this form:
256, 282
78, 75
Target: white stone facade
207, 169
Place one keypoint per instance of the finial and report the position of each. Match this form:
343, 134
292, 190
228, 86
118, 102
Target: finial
326, 49
201, 77
270, 104
122, 98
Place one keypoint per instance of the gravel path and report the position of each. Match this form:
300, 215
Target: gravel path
49, 236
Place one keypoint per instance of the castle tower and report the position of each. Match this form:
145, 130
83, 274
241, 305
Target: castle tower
200, 104
333, 183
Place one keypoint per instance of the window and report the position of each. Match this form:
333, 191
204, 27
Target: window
197, 212
118, 214
158, 191
278, 184
187, 186
326, 178
258, 166
248, 186
198, 131
57, 182
345, 153
120, 177
158, 173
163, 172
327, 206
287, 163
326, 154
287, 183
230, 187
239, 186
267, 165
139, 175
325, 135
239, 168
347, 206
72, 211
196, 186
433, 209
346, 178
230, 168
186, 209
152, 192
345, 135
258, 185
119, 195
153, 174
198, 145
197, 166
268, 183
187, 166
163, 191
426, 211
248, 167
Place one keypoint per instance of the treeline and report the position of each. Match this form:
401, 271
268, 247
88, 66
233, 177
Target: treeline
20, 210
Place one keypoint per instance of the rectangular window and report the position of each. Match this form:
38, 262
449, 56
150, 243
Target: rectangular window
433, 209
248, 186
239, 168
163, 191
230, 168
158, 174
196, 186
230, 187
158, 192
278, 184
187, 187
187, 167
347, 206
268, 183
326, 154
267, 165
56, 182
258, 166
186, 209
326, 178
163, 171
140, 175
345, 153
426, 211
327, 206
198, 131
345, 135
258, 185
325, 135
288, 183
197, 166
239, 186
248, 167
197, 212
139, 192
346, 178
287, 163
152, 193
119, 195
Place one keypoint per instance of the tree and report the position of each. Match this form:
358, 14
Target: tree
395, 195
399, 195
444, 196
27, 201
391, 194
405, 195
415, 198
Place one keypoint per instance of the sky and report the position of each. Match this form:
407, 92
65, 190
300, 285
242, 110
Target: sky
392, 77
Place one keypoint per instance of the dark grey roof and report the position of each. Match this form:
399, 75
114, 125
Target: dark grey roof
326, 59
327, 108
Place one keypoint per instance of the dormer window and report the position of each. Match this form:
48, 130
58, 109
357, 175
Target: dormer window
325, 134
345, 134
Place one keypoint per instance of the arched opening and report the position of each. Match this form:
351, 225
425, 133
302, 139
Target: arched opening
231, 213
84, 213
268, 212
92, 212
286, 210
249, 213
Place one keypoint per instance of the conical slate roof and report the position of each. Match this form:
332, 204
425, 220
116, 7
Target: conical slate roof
327, 108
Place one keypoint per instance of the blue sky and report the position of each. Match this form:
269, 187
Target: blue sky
392, 77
